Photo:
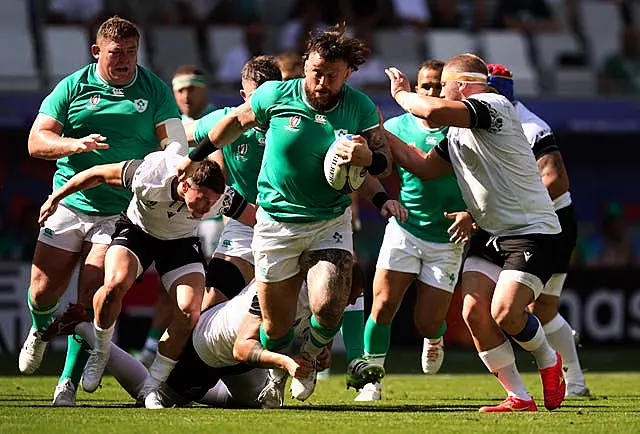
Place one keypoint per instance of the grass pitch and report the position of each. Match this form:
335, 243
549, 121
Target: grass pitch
411, 403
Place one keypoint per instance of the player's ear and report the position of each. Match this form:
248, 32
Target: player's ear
95, 51
243, 94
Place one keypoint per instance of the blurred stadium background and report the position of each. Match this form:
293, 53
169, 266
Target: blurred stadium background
576, 63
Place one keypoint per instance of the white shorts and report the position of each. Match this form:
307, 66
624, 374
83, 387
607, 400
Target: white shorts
67, 229
235, 241
434, 264
277, 246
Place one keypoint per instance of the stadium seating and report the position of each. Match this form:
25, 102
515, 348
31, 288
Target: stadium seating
223, 41
510, 48
18, 70
173, 46
602, 26
399, 48
444, 44
67, 49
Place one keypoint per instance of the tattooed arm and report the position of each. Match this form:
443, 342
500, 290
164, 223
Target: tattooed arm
553, 173
248, 349
381, 161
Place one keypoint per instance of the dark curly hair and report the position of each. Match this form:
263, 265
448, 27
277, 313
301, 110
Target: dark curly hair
260, 69
209, 174
334, 44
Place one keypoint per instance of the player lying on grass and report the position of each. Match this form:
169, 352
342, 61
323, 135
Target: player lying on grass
224, 347
160, 226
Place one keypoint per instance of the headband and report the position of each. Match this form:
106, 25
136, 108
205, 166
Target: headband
188, 80
465, 77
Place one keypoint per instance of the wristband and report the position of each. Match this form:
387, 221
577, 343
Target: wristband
202, 151
379, 199
378, 163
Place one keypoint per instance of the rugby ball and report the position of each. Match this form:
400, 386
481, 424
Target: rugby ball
346, 178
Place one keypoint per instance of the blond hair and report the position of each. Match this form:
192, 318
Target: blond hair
116, 29
467, 63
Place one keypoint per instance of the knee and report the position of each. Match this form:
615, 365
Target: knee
506, 318
115, 288
476, 313
187, 318
330, 312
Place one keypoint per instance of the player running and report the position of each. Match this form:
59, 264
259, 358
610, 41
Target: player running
109, 111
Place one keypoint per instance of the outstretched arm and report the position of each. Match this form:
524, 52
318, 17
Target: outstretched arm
248, 349
110, 174
429, 165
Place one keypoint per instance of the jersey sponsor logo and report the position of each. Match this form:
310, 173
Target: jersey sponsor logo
527, 256
116, 91
430, 140
140, 104
226, 243
170, 214
294, 122
320, 119
48, 232
262, 141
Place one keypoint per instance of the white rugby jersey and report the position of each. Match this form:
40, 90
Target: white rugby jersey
217, 328
153, 208
497, 172
542, 141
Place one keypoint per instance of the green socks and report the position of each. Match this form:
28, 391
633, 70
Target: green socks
352, 333
41, 317
77, 356
439, 333
376, 339
275, 344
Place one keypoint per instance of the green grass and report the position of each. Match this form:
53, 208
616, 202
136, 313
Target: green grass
411, 403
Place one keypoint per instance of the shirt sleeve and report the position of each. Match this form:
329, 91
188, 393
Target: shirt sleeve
207, 122
165, 104
128, 170
56, 104
153, 178
231, 204
442, 149
263, 99
544, 145
368, 114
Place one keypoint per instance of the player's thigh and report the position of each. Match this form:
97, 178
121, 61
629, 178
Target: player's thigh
389, 287
91, 274
277, 247
130, 253
51, 271
477, 291
246, 268
121, 269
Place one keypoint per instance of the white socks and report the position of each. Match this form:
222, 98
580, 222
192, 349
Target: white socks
103, 337
538, 346
502, 363
161, 367
559, 335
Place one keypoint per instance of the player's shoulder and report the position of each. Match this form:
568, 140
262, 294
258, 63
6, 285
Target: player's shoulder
397, 122
495, 100
353, 95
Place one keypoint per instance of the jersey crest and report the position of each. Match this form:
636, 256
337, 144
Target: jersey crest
140, 104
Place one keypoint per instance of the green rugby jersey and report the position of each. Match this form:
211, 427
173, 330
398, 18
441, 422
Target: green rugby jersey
242, 158
291, 184
127, 116
426, 201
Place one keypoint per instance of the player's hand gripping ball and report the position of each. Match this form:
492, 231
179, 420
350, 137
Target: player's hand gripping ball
345, 178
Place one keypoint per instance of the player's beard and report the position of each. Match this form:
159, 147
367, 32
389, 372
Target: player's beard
324, 103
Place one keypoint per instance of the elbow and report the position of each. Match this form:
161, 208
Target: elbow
238, 353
